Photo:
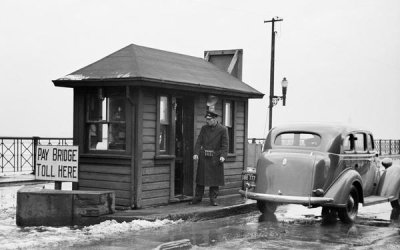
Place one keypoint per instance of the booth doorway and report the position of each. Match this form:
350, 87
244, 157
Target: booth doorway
184, 127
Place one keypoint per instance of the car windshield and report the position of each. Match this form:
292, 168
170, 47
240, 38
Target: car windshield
298, 139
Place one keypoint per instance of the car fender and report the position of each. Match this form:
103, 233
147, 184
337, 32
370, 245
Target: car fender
340, 188
389, 183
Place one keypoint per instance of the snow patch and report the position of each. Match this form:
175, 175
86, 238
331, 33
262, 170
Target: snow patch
14, 237
74, 77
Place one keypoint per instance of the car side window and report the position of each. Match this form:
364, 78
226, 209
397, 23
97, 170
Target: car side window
348, 143
360, 142
370, 143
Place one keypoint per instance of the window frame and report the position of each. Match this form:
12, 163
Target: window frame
232, 129
360, 135
370, 142
118, 93
170, 126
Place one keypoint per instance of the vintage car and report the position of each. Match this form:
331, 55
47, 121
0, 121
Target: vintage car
332, 166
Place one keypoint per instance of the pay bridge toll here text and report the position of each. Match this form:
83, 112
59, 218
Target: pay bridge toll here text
57, 163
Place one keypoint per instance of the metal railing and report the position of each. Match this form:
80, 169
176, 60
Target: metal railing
383, 147
17, 154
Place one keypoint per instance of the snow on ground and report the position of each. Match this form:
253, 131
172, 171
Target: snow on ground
14, 237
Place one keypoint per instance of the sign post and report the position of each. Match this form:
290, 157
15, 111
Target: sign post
57, 163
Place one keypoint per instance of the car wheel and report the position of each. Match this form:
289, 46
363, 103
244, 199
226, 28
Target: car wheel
266, 207
348, 214
329, 214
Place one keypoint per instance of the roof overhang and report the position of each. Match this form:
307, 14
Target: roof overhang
155, 83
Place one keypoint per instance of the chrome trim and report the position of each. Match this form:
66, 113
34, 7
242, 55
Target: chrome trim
286, 198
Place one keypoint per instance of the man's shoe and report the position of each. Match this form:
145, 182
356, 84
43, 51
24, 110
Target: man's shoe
213, 203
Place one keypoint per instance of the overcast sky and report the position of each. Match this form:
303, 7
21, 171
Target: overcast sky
341, 58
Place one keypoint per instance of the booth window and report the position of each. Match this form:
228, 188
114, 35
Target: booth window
106, 122
229, 123
163, 141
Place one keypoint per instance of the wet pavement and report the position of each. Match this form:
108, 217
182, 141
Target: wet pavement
235, 224
291, 227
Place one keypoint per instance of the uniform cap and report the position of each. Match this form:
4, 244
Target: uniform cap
211, 114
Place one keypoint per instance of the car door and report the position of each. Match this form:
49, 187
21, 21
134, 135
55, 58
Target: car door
363, 163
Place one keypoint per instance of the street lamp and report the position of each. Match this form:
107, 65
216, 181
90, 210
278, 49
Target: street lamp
273, 99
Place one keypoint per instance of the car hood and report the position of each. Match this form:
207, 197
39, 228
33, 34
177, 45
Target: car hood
286, 173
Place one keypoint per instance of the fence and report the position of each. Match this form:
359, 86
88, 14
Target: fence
18, 153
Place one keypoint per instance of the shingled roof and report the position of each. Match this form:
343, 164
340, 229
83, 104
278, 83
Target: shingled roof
136, 65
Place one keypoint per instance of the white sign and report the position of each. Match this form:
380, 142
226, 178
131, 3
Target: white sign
57, 163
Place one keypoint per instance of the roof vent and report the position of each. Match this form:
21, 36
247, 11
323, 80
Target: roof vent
227, 60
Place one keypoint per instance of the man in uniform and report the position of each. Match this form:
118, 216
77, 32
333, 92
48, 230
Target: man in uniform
211, 150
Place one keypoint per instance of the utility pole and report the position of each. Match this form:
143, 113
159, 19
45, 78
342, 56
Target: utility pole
271, 84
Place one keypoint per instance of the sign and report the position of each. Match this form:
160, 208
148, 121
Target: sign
57, 163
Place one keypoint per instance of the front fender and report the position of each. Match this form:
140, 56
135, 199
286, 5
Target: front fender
340, 188
389, 183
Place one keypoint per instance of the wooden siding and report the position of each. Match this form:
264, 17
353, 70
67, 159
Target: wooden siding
156, 176
235, 163
102, 172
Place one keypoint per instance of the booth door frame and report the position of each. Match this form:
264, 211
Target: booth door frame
184, 141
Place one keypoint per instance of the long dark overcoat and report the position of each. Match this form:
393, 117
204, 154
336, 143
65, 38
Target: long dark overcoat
210, 171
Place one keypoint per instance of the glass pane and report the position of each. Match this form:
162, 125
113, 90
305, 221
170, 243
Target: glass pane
309, 140
98, 136
347, 144
117, 138
371, 143
104, 109
96, 108
298, 139
164, 117
163, 140
359, 142
117, 109
228, 114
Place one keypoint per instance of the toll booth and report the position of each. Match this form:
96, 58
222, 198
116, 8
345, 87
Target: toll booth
137, 114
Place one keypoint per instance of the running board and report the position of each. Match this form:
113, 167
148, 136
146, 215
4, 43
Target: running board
373, 200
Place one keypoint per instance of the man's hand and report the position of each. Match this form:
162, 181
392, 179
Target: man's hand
221, 159
195, 157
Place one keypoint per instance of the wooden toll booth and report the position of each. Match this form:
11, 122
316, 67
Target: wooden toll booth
138, 112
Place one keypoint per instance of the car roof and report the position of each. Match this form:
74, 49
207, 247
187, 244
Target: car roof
333, 129
330, 133
320, 128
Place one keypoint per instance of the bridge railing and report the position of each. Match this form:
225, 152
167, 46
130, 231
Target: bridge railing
383, 147
17, 154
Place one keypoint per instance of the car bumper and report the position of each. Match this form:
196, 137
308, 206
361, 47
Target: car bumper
286, 198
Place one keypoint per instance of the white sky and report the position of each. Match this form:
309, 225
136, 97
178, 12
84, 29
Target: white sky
341, 58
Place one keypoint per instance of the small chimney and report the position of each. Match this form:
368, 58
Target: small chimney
227, 60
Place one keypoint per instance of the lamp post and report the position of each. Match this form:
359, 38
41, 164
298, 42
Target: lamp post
273, 100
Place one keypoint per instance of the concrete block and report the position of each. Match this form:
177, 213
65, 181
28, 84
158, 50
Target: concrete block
37, 207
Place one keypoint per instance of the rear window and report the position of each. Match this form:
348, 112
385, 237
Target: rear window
298, 139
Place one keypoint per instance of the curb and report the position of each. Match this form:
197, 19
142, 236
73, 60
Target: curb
188, 216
